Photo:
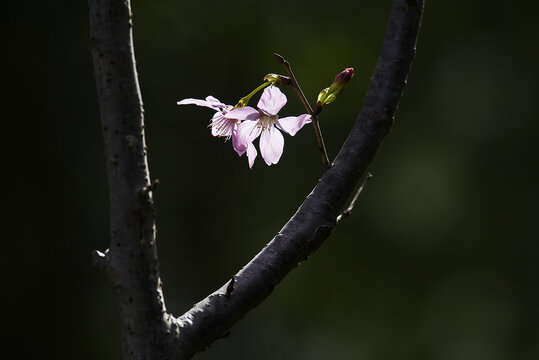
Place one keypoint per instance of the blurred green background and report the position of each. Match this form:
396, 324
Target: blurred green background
439, 259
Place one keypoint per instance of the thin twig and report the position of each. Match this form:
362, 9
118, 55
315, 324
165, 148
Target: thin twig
297, 88
100, 261
350, 207
152, 187
230, 286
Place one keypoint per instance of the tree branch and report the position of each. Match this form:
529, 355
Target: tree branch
316, 217
131, 264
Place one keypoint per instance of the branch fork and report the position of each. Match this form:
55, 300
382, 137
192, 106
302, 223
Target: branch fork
148, 330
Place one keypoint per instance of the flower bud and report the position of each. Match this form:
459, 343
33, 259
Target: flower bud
328, 95
322, 95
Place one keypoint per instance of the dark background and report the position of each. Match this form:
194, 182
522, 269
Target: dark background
439, 259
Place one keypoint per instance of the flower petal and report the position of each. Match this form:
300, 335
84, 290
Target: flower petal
272, 100
251, 154
293, 124
240, 151
210, 102
271, 145
247, 132
244, 113
211, 99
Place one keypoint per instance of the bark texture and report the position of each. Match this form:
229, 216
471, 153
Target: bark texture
131, 264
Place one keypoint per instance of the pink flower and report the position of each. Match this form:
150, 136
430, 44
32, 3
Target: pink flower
266, 123
221, 125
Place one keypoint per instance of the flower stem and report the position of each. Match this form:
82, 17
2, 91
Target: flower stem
318, 133
245, 100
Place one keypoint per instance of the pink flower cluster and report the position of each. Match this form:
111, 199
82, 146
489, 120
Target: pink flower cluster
244, 124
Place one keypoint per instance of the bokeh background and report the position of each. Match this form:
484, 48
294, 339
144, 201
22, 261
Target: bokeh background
439, 259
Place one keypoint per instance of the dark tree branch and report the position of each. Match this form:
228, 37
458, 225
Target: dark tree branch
316, 217
131, 265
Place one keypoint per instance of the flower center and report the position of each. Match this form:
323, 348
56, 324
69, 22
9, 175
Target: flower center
223, 126
266, 121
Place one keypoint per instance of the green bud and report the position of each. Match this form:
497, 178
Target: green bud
328, 95
322, 96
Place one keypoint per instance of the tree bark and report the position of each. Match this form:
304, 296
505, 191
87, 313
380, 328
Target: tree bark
131, 264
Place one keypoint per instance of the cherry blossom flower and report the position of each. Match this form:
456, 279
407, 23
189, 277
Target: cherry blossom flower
265, 123
221, 125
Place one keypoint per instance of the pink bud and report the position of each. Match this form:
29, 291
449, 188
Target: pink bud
345, 76
328, 95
